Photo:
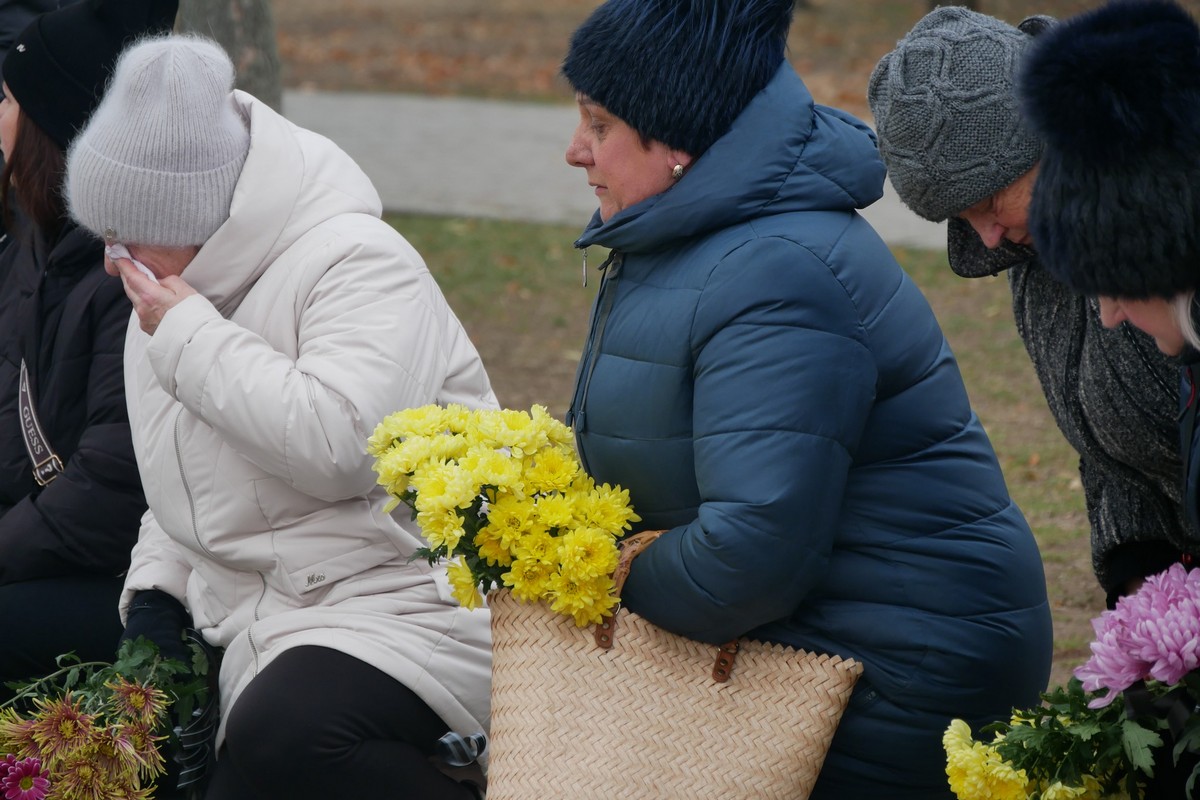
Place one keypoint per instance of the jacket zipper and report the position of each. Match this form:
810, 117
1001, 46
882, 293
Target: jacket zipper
250, 628
187, 489
577, 414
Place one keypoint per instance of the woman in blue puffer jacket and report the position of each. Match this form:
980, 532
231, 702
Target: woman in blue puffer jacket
774, 390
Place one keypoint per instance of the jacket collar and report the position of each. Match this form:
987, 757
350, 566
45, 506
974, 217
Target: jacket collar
292, 181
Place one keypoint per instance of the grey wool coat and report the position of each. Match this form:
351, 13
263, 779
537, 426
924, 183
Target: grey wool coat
1114, 396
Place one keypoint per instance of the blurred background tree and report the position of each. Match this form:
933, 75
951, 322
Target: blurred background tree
246, 29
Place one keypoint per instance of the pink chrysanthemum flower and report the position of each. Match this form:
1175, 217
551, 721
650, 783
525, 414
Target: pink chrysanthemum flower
1153, 633
16, 733
79, 776
24, 779
1167, 634
116, 753
136, 701
142, 739
61, 726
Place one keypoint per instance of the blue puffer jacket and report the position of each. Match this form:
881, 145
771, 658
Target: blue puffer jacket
773, 388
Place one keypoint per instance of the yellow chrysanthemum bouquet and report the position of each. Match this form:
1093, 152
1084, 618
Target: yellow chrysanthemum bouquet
501, 496
1061, 750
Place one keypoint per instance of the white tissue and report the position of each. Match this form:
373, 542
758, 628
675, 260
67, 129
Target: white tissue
118, 250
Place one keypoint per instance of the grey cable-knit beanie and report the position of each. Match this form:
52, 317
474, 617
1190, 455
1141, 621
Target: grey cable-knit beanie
947, 114
159, 160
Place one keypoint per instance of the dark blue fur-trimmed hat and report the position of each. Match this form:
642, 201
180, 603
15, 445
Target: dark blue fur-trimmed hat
1114, 94
679, 71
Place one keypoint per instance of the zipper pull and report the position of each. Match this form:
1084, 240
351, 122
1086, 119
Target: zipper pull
585, 267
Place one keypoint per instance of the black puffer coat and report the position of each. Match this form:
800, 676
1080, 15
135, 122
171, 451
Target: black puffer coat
67, 318
1115, 399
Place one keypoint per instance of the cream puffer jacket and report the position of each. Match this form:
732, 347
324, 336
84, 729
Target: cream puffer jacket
251, 406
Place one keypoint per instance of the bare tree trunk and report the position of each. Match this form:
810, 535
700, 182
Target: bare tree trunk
246, 29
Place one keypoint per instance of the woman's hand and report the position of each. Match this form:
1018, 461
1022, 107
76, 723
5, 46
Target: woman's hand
152, 297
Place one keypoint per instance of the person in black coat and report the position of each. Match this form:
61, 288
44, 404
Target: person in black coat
1119, 212
70, 495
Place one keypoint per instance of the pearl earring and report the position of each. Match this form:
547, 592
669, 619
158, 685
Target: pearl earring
677, 173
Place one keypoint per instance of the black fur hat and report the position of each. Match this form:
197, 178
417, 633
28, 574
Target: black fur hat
1114, 94
679, 71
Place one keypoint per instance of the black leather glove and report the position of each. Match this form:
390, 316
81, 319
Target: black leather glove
162, 619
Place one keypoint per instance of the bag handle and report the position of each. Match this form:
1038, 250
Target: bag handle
606, 630
46, 464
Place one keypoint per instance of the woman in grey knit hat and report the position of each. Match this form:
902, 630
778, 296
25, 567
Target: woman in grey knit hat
958, 148
278, 320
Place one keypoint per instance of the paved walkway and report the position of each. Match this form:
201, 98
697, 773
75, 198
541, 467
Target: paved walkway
493, 159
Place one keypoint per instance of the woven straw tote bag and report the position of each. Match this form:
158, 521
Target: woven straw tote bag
628, 710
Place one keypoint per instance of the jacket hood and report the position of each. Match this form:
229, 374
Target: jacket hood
783, 154
292, 181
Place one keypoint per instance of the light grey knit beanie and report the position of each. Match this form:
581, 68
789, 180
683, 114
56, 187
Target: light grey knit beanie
158, 161
946, 110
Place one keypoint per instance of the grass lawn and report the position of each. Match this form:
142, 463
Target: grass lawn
518, 290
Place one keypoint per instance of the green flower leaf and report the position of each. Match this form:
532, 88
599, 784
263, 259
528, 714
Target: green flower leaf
1138, 743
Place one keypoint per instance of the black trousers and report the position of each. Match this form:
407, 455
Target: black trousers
317, 723
43, 619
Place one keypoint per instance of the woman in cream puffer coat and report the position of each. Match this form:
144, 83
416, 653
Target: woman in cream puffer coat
300, 320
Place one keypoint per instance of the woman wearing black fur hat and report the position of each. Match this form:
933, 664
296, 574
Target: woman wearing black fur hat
775, 392
975, 164
1115, 95
70, 495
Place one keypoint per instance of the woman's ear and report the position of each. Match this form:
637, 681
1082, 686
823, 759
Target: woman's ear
679, 157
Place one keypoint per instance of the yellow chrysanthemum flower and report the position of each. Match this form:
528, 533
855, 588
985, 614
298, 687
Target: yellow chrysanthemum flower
380, 441
491, 548
491, 467
588, 553
443, 486
555, 510
529, 579
509, 517
393, 472
976, 771
551, 469
447, 447
442, 527
538, 544
556, 432
588, 602
607, 508
462, 584
411, 423
456, 418
513, 429
1059, 791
